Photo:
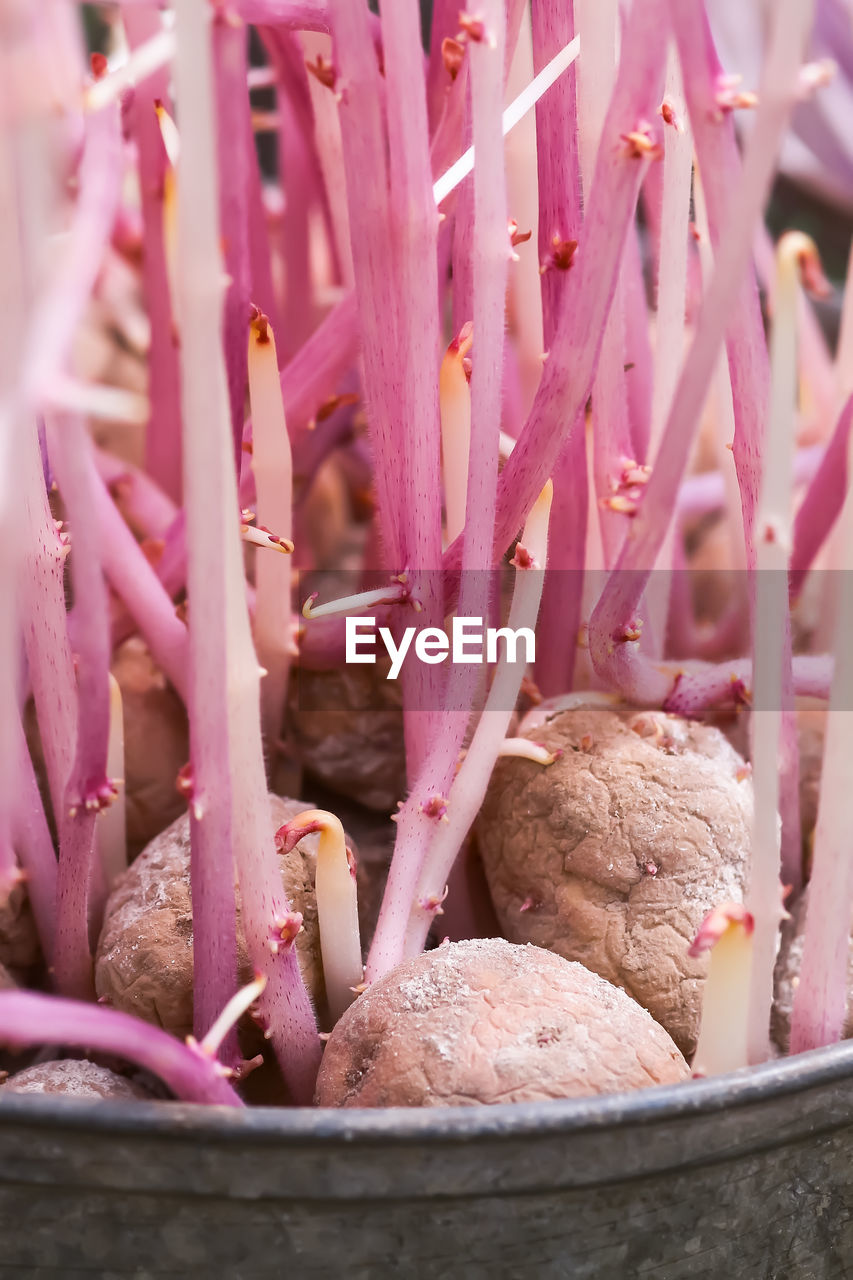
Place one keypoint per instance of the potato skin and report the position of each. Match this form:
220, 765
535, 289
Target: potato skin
614, 854
74, 1078
144, 960
484, 1021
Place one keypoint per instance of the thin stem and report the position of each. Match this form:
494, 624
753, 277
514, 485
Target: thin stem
469, 788
273, 470
670, 314
560, 221
413, 370
771, 653
135, 581
111, 826
724, 183
88, 789
821, 506
231, 809
613, 657
235, 155
34, 846
567, 378
162, 436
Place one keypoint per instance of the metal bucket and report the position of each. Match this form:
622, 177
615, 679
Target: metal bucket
745, 1175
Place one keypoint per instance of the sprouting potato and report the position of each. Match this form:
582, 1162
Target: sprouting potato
614, 854
485, 1021
144, 961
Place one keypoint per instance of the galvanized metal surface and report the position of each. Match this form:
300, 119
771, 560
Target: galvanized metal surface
751, 1175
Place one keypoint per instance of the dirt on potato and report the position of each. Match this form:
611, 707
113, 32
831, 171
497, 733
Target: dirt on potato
485, 1021
613, 855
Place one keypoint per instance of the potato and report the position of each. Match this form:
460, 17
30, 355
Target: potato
74, 1078
144, 960
614, 854
485, 1021
346, 726
19, 944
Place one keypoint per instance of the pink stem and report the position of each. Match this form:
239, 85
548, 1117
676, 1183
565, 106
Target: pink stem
569, 370
301, 182
163, 433
299, 15
445, 24
316, 370
614, 654
694, 692
414, 253
134, 580
236, 147
72, 283
263, 286
490, 261
638, 351
704, 492
229, 795
45, 629
560, 216
611, 432
822, 503
417, 819
88, 790
150, 511
34, 847
28, 1019
560, 614
362, 132
719, 163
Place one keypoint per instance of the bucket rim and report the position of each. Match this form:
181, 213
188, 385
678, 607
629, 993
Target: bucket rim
766, 1083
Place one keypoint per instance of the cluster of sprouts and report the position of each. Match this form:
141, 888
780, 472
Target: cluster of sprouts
510, 276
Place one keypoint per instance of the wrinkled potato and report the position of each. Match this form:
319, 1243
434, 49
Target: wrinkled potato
144, 960
485, 1021
788, 964
156, 744
346, 726
614, 854
74, 1078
